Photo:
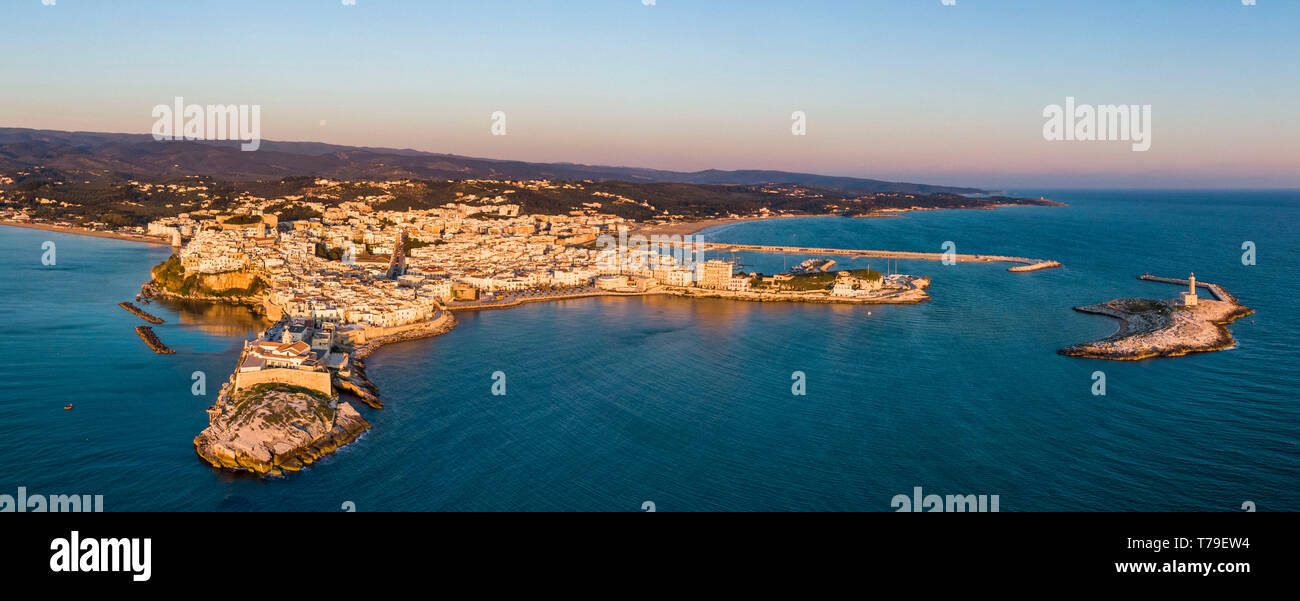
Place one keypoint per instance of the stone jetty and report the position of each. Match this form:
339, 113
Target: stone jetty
138, 312
1163, 327
151, 339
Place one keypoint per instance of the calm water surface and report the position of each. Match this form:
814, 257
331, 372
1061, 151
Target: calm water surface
613, 402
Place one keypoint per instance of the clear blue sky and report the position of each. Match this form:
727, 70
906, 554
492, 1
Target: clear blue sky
893, 89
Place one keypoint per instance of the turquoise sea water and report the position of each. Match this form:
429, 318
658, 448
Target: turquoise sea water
688, 404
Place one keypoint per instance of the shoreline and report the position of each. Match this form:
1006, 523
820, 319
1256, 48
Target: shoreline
355, 383
77, 231
686, 228
359, 387
358, 384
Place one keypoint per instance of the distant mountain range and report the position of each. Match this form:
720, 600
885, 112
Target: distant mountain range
140, 156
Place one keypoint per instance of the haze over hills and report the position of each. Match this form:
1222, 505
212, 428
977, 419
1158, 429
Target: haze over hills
139, 155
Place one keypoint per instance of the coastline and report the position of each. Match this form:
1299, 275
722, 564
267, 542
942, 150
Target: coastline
686, 228
358, 384
77, 231
212, 445
227, 424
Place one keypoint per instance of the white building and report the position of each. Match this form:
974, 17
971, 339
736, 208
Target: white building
716, 274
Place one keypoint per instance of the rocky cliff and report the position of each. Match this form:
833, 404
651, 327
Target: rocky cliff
169, 279
274, 428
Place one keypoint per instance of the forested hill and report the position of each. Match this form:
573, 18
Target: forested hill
138, 156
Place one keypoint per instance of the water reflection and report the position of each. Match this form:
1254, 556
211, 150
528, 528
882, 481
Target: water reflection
216, 318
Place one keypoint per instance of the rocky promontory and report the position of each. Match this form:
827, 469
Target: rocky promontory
1160, 328
276, 428
239, 287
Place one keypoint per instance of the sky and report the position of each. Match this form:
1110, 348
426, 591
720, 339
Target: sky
904, 90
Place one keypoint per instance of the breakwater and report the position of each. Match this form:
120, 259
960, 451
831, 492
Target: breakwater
151, 339
1027, 264
1163, 328
1215, 289
138, 312
1034, 266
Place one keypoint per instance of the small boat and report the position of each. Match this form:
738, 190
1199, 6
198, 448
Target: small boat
68, 407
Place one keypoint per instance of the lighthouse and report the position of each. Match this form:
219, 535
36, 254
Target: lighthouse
1189, 297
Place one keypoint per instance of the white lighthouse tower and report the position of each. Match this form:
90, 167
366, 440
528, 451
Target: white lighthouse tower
1189, 297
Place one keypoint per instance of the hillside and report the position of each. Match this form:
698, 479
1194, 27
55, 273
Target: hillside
139, 156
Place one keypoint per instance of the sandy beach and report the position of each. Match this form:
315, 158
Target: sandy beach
683, 228
85, 232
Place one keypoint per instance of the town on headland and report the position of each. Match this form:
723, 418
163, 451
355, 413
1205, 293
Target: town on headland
340, 268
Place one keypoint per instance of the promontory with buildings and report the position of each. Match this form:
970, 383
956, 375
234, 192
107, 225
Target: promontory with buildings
339, 268
344, 278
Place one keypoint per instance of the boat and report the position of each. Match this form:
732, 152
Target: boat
68, 407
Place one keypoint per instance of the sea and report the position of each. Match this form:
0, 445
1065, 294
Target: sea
671, 404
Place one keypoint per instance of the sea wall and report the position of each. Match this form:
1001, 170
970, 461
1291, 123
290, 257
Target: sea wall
313, 380
271, 310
